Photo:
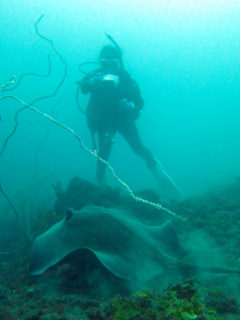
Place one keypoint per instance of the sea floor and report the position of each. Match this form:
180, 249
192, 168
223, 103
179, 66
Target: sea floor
79, 287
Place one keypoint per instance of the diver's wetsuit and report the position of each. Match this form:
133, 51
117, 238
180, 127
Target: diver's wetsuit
107, 113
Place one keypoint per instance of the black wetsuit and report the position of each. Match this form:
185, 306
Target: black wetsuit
107, 114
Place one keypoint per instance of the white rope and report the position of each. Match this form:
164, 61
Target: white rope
129, 190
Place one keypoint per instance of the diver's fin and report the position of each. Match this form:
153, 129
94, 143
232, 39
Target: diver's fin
167, 186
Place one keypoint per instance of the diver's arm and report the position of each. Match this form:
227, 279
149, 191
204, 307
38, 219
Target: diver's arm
131, 91
91, 81
134, 94
137, 98
131, 101
85, 84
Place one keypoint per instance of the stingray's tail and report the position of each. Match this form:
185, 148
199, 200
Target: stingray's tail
191, 268
218, 270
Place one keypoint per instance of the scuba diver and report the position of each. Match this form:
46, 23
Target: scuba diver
114, 106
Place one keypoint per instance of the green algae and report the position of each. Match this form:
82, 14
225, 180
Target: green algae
217, 213
181, 302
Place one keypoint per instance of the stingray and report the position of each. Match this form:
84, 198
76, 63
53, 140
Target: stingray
122, 243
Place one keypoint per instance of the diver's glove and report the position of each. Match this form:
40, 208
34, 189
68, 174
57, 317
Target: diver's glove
96, 80
129, 109
91, 82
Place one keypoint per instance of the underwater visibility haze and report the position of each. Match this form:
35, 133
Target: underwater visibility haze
185, 57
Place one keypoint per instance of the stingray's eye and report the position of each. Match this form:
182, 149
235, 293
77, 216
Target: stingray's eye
69, 214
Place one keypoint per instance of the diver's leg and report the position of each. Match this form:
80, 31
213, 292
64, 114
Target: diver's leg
105, 141
167, 186
130, 133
